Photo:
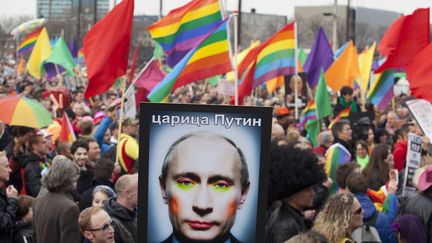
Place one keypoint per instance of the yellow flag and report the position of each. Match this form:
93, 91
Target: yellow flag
21, 66
365, 65
231, 76
344, 70
41, 52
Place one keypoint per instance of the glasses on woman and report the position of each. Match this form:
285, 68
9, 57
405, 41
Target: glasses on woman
105, 227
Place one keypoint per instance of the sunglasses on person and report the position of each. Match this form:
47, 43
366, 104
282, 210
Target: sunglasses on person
105, 227
358, 211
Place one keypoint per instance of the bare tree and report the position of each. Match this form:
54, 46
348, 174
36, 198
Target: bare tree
10, 22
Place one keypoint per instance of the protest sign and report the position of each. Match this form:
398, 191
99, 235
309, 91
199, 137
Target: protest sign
202, 174
412, 163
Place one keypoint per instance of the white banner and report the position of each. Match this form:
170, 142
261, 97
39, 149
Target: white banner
422, 112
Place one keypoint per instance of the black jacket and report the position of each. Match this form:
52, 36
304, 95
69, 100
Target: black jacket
23, 233
126, 221
284, 223
348, 146
85, 181
8, 208
231, 239
31, 163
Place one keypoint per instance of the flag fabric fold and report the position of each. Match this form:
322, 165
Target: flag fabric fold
28, 42
336, 155
273, 58
381, 91
66, 133
344, 70
322, 98
211, 57
309, 122
419, 73
406, 37
106, 48
320, 57
343, 114
185, 27
365, 65
61, 55
41, 52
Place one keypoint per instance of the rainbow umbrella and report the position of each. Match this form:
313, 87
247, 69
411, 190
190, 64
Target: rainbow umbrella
21, 111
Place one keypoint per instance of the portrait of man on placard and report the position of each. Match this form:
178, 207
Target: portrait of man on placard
201, 178
204, 181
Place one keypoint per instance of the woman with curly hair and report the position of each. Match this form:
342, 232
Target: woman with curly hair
341, 215
379, 165
293, 173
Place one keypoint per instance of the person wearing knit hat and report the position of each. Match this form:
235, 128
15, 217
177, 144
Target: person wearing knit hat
421, 203
293, 173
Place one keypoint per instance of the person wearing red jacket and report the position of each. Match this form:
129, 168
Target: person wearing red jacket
400, 147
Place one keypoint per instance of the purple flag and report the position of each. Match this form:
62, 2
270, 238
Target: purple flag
73, 46
321, 56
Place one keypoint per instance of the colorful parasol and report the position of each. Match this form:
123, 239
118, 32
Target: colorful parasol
21, 111
28, 27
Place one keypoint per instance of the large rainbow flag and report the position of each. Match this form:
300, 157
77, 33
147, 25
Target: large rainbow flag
185, 27
211, 57
28, 42
381, 91
336, 155
273, 58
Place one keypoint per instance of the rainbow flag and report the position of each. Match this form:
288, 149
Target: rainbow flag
336, 155
309, 113
80, 56
210, 58
28, 42
66, 133
381, 91
272, 58
343, 114
185, 27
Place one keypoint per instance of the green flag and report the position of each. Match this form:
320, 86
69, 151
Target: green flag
158, 51
322, 98
214, 80
61, 55
313, 129
302, 56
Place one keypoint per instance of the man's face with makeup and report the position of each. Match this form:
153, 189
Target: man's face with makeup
203, 188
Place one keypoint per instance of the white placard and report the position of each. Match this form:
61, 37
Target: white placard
130, 103
412, 163
422, 112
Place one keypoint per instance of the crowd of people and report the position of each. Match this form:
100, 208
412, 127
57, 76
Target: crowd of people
87, 190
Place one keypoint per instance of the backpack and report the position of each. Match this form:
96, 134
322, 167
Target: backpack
367, 233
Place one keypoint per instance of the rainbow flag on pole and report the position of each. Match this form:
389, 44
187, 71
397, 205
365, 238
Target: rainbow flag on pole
210, 58
185, 27
309, 113
336, 155
381, 91
343, 114
273, 58
28, 42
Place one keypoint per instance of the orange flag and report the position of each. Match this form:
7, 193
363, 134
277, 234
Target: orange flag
273, 83
344, 70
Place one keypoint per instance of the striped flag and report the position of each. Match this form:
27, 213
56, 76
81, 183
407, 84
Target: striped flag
272, 58
67, 133
185, 27
343, 114
28, 42
336, 155
309, 113
209, 58
381, 91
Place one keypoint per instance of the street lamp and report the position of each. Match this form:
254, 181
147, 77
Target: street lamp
334, 14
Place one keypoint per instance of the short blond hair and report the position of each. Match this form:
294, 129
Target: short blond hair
85, 216
125, 182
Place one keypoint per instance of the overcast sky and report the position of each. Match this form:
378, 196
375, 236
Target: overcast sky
278, 7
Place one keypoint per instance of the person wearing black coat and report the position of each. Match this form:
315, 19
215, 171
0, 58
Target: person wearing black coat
8, 202
293, 174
